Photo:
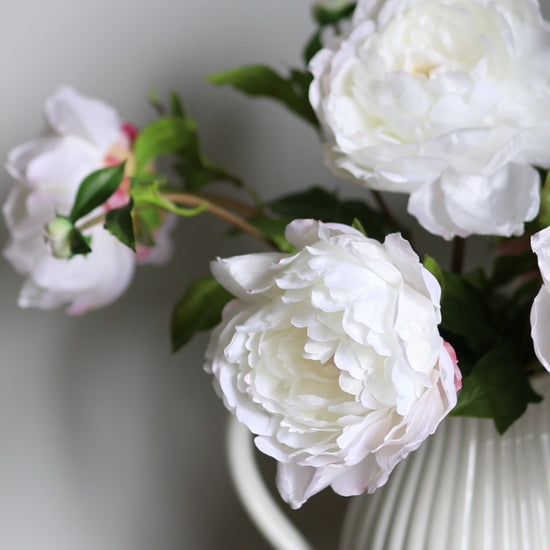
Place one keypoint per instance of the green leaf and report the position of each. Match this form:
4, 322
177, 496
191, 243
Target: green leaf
168, 135
146, 221
507, 268
177, 135
119, 223
152, 217
465, 313
155, 102
262, 81
325, 15
544, 213
497, 388
197, 170
95, 190
312, 46
274, 230
79, 243
320, 204
199, 309
176, 105
433, 267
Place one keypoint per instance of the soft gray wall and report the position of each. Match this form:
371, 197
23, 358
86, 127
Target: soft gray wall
107, 440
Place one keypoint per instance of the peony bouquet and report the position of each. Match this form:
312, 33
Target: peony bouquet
341, 344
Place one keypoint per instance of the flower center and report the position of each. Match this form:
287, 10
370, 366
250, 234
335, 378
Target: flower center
435, 37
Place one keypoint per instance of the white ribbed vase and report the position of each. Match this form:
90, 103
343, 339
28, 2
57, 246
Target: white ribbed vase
466, 488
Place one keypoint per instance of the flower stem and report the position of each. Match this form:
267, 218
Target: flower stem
189, 199
231, 204
457, 259
217, 206
96, 220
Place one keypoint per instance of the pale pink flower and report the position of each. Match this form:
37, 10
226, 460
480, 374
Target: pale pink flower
83, 135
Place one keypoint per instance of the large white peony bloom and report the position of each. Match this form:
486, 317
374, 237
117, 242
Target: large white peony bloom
332, 357
540, 312
447, 100
84, 135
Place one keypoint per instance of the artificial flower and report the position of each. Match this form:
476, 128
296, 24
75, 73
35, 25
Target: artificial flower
445, 100
332, 356
84, 135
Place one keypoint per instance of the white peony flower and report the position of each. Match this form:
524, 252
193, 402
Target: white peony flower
332, 357
84, 135
447, 100
540, 312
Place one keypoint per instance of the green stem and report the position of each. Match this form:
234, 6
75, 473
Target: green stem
214, 204
191, 200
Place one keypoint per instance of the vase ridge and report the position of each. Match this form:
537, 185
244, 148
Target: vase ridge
466, 488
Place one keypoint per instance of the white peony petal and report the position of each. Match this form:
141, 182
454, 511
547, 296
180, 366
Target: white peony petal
20, 157
332, 357
69, 112
423, 97
246, 275
464, 204
64, 167
540, 321
298, 483
540, 243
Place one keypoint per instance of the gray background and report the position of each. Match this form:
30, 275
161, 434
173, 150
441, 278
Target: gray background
108, 440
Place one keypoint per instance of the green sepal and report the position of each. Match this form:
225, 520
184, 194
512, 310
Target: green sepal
496, 388
120, 224
199, 309
80, 244
95, 189
262, 81
168, 135
434, 268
